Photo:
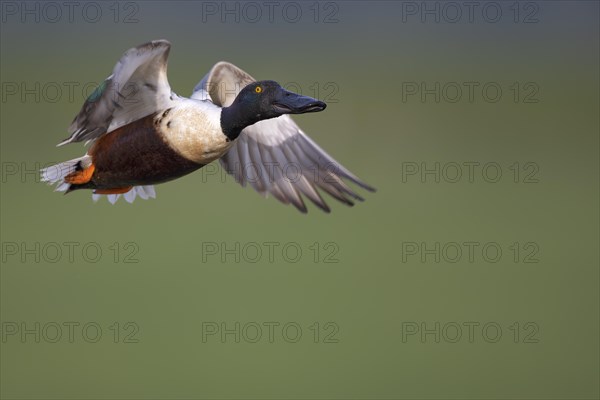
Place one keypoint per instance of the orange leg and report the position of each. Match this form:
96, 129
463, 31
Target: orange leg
113, 190
81, 177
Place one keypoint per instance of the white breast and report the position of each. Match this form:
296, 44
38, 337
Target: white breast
193, 129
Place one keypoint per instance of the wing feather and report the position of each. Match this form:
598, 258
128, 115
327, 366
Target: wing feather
275, 156
137, 87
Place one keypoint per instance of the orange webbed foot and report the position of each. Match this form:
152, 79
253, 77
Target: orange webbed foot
81, 177
113, 190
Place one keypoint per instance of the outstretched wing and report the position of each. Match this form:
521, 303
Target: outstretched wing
137, 87
275, 156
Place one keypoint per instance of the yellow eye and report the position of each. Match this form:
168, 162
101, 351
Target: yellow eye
258, 89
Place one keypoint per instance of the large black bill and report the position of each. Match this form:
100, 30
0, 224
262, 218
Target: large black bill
293, 103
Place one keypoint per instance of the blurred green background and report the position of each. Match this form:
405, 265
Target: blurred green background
373, 55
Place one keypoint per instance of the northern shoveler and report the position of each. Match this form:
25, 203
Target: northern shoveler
142, 133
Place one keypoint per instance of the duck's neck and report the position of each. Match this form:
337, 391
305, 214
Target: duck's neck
234, 120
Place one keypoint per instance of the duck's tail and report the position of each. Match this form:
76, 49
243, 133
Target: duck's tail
55, 174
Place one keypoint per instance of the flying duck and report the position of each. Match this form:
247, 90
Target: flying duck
141, 133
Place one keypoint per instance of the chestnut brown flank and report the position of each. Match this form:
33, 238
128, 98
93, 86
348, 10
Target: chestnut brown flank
135, 154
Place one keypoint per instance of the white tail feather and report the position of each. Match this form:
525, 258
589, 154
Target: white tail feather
55, 174
144, 192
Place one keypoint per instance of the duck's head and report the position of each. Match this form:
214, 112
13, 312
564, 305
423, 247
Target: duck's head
264, 100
